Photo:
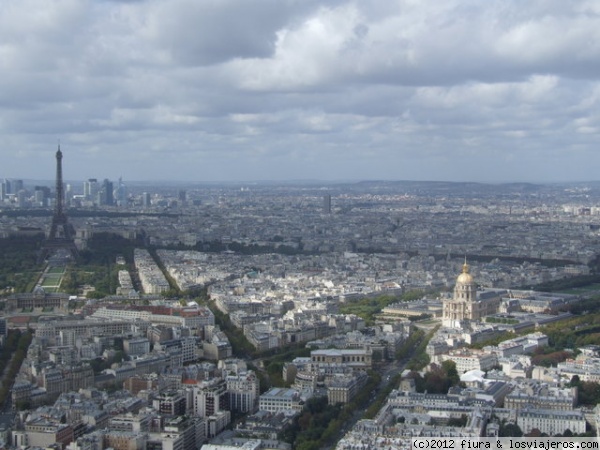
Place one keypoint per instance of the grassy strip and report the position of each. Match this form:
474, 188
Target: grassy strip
368, 307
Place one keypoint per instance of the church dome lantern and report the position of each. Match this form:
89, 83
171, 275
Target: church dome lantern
465, 277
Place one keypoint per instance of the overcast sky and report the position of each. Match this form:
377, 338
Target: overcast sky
224, 90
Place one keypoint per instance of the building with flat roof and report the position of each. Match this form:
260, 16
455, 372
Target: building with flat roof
356, 357
467, 360
343, 388
243, 391
280, 399
551, 421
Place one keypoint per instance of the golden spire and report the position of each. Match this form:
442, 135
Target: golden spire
465, 277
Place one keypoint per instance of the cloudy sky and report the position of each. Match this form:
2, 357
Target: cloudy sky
224, 90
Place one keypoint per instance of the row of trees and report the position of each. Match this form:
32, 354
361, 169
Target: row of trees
574, 332
320, 424
273, 360
419, 356
547, 357
568, 283
308, 428
437, 380
217, 246
97, 266
588, 392
11, 358
239, 344
274, 364
18, 262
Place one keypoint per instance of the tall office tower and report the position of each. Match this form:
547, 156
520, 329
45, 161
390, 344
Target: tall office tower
3, 191
106, 194
182, 196
146, 199
22, 198
68, 194
7, 187
39, 197
327, 204
121, 193
90, 189
210, 397
41, 194
243, 390
61, 236
17, 185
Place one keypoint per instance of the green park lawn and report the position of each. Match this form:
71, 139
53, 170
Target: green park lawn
51, 280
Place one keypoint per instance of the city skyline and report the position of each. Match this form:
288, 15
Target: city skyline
281, 90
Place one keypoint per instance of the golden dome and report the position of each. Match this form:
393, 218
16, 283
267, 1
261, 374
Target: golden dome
465, 277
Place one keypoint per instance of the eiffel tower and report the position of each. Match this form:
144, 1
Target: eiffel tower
60, 240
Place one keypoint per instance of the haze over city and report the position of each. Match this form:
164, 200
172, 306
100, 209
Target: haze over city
281, 89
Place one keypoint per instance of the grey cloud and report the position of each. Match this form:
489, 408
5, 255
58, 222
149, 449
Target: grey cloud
434, 44
284, 88
210, 32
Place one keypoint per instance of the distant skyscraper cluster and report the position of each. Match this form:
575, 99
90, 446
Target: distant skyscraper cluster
12, 189
104, 194
93, 192
15, 192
